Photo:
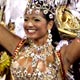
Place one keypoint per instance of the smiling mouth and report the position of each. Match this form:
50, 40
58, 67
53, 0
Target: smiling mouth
31, 30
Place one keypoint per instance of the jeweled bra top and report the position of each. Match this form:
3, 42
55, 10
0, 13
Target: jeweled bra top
26, 65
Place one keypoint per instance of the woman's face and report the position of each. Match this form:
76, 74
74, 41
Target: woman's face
35, 25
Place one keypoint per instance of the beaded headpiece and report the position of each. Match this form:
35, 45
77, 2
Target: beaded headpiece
41, 5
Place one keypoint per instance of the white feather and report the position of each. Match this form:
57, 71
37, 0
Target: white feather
2, 2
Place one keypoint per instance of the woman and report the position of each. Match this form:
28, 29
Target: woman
35, 58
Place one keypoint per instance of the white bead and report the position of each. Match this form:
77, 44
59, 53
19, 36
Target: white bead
32, 54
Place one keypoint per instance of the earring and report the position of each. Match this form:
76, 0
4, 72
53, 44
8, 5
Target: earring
49, 40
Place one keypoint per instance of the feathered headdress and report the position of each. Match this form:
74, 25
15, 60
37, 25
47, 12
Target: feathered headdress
56, 8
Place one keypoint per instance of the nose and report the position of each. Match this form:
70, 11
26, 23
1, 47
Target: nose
30, 23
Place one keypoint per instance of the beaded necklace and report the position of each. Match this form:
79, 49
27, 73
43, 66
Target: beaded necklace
36, 53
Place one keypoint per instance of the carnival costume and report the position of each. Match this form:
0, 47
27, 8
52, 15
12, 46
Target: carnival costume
33, 53
37, 55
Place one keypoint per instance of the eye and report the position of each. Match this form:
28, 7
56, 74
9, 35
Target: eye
37, 20
25, 19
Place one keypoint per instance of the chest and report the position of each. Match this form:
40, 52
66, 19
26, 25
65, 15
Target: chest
36, 66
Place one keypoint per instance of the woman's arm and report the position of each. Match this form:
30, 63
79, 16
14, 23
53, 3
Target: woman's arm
8, 40
70, 53
73, 50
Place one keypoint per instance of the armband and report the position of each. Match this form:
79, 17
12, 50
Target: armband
18, 47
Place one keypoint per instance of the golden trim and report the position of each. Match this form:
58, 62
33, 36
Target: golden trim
67, 32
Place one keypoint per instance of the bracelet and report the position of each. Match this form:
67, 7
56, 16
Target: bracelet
19, 47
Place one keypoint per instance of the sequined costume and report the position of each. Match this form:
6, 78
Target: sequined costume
25, 66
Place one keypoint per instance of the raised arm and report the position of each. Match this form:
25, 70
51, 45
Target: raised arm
71, 53
8, 40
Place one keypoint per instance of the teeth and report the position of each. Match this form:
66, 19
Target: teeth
31, 30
